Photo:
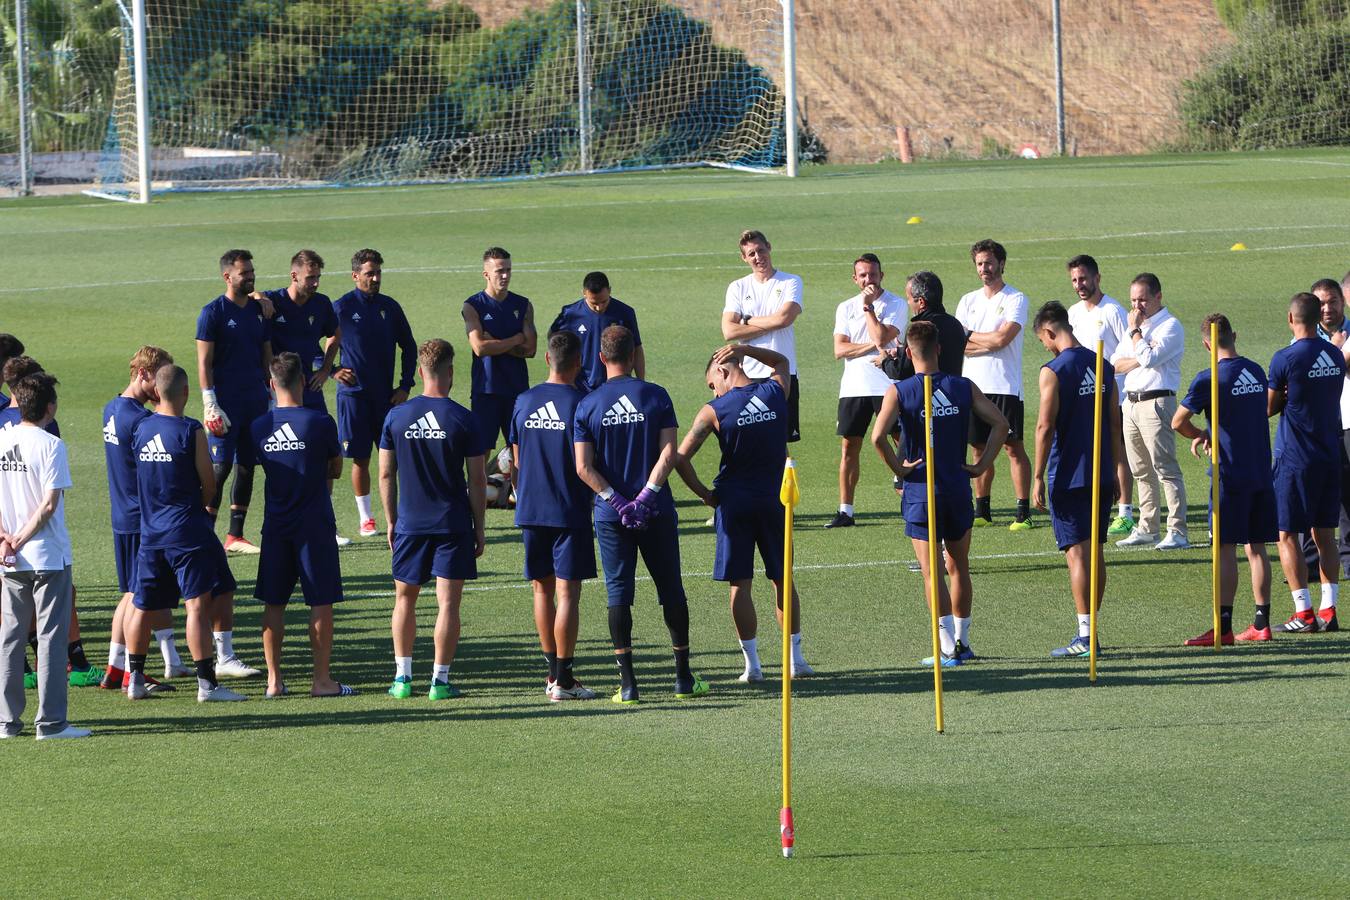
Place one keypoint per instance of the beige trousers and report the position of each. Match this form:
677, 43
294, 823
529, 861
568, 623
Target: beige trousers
1150, 448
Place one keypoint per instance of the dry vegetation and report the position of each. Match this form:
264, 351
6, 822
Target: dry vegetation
966, 75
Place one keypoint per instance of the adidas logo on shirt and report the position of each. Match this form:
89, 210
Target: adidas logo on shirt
547, 417
13, 461
623, 412
356, 317
942, 406
1247, 384
581, 329
110, 432
487, 317
230, 323
426, 428
1089, 385
1325, 367
284, 438
281, 320
755, 411
154, 451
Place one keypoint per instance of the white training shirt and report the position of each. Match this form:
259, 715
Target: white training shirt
999, 372
33, 462
1159, 354
1107, 321
862, 378
749, 297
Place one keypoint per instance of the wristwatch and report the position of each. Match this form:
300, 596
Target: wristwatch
1138, 331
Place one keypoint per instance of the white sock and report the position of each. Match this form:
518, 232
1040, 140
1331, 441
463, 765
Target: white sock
947, 635
1302, 600
167, 648
846, 508
224, 641
440, 673
963, 629
797, 657
1084, 624
1329, 592
750, 649
1126, 510
363, 507
403, 667
117, 655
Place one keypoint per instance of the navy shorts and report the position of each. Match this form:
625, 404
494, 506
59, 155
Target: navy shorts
1306, 498
493, 412
660, 549
567, 553
126, 547
1247, 517
311, 559
359, 420
163, 574
420, 557
1071, 516
954, 516
237, 444
740, 529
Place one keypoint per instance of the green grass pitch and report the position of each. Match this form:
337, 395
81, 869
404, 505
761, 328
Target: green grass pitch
1182, 771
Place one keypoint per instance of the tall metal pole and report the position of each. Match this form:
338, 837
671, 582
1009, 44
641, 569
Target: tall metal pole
790, 87
25, 134
583, 87
1059, 79
142, 99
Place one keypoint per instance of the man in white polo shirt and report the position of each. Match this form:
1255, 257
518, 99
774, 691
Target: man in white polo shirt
35, 560
1150, 358
1097, 315
760, 310
994, 316
864, 325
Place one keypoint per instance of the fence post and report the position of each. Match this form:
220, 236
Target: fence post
583, 87
25, 132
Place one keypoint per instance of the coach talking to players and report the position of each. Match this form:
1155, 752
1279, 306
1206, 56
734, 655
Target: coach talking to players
1150, 360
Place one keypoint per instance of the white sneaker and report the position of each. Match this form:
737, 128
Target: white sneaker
342, 541
1138, 538
577, 691
218, 694
751, 675
70, 731
235, 668
177, 671
800, 669
1175, 540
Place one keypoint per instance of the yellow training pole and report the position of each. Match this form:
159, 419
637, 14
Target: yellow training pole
790, 496
932, 545
1094, 566
1214, 476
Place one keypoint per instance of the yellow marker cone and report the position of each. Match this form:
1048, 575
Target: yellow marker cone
790, 496
1238, 247
914, 220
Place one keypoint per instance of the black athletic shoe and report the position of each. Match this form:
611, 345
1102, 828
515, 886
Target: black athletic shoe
840, 520
1324, 624
1299, 624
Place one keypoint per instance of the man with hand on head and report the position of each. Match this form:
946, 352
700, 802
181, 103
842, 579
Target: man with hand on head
588, 318
750, 421
553, 511
625, 449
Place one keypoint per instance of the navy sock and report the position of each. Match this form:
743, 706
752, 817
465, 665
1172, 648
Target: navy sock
136, 663
621, 627
1023, 510
682, 672
1226, 619
982, 508
625, 663
564, 676
552, 660
237, 522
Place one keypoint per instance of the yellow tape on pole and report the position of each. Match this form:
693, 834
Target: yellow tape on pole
1214, 478
928, 465
790, 496
1094, 566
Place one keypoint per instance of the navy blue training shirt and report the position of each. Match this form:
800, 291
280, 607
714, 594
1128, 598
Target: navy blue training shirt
1070, 464
951, 422
503, 373
752, 429
588, 325
623, 419
300, 329
120, 417
10, 416
294, 446
548, 492
431, 438
1312, 371
167, 486
1244, 430
372, 326
238, 333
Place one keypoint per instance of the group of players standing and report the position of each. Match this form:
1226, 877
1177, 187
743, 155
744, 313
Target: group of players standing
594, 445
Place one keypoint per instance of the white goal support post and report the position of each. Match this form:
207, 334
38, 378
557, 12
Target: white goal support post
225, 94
